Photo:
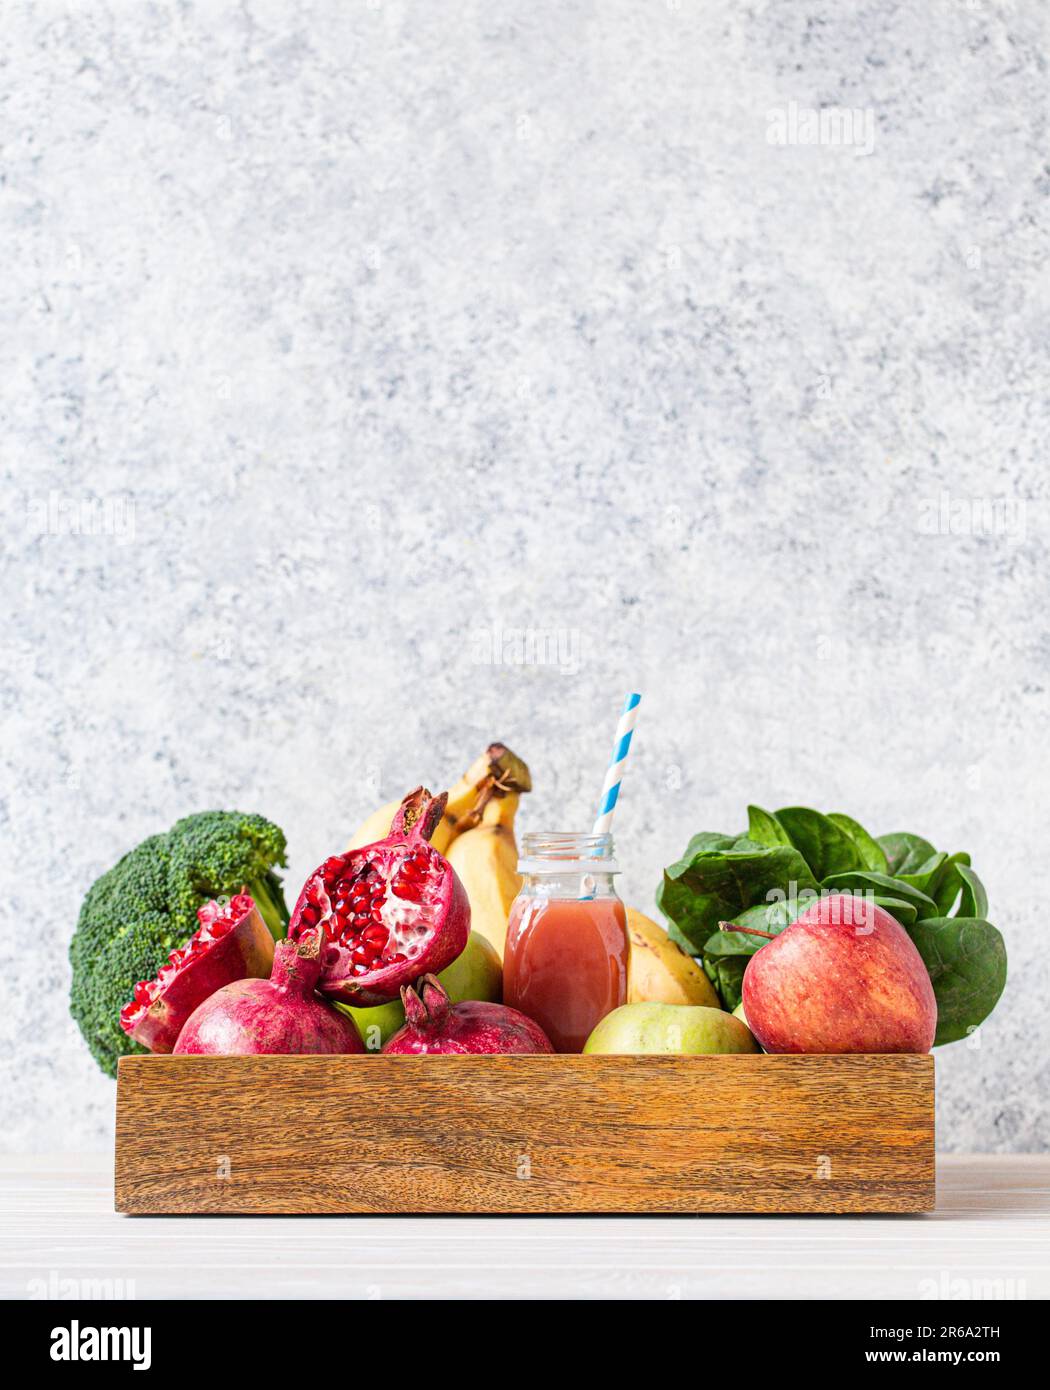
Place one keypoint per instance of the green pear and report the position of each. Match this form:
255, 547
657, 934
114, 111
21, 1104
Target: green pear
476, 973
376, 1024
685, 1029
738, 1012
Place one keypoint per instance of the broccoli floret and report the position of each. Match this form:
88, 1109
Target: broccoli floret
139, 911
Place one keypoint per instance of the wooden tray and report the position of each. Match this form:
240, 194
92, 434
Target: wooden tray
540, 1135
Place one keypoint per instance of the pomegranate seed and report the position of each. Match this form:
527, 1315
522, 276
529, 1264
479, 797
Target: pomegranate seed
377, 934
311, 915
143, 992
404, 888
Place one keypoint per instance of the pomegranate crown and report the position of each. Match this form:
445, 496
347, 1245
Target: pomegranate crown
427, 1008
297, 962
418, 815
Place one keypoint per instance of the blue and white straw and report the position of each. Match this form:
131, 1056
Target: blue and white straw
614, 776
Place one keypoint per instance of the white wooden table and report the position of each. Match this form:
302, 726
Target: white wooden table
989, 1237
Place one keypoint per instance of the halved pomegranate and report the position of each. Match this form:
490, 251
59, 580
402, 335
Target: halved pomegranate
231, 943
394, 910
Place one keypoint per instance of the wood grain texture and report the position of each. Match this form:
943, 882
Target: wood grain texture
313, 1135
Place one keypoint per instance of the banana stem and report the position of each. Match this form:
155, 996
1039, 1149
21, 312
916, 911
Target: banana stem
486, 791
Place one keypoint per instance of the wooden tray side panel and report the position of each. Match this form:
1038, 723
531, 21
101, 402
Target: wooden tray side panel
534, 1135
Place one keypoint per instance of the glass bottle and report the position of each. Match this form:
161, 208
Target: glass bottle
565, 962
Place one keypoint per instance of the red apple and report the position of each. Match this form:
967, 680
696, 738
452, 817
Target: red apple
844, 977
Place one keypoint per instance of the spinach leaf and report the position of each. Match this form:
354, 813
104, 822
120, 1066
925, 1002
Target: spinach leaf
727, 975
724, 944
776, 915
906, 913
974, 902
870, 852
904, 852
706, 840
764, 828
927, 875
689, 915
882, 886
966, 959
716, 884
825, 847
949, 885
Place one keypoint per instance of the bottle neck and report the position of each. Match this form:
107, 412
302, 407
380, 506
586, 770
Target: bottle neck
559, 854
577, 881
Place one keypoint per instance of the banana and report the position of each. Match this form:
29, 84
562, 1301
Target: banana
485, 857
658, 972
494, 773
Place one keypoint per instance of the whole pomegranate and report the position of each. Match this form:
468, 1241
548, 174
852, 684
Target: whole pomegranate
231, 943
434, 1024
392, 911
281, 1014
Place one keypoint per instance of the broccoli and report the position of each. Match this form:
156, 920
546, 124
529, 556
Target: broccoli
146, 905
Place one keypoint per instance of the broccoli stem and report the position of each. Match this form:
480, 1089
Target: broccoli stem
270, 902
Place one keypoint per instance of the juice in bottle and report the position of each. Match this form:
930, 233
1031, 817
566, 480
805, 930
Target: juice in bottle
565, 961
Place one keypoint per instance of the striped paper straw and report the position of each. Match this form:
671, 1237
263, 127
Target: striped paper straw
614, 776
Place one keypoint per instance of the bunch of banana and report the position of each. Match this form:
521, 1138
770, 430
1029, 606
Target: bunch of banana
476, 835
